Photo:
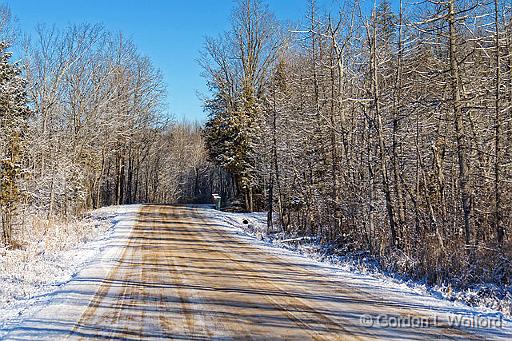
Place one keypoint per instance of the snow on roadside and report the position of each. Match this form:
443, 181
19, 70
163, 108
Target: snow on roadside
255, 225
51, 256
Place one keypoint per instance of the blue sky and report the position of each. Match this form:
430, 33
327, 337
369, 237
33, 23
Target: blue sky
170, 32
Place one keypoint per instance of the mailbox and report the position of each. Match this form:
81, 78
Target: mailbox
216, 200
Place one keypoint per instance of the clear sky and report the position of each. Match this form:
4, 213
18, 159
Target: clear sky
169, 32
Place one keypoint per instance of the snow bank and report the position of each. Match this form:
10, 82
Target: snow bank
52, 254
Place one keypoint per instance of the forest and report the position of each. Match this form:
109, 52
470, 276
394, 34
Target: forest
382, 130
83, 125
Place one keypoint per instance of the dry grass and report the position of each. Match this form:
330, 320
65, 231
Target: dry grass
46, 253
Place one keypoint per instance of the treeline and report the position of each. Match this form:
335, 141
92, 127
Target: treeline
84, 125
383, 129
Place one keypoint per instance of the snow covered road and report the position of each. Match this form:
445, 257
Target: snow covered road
178, 273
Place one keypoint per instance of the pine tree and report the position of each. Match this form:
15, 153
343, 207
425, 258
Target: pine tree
238, 67
14, 112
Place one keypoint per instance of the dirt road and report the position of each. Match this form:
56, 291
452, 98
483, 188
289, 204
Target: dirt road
183, 276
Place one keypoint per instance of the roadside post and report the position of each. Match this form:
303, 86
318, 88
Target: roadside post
216, 200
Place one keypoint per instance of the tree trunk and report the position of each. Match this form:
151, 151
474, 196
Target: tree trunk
459, 124
500, 232
380, 136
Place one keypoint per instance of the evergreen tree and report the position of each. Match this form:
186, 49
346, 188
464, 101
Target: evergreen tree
14, 112
237, 68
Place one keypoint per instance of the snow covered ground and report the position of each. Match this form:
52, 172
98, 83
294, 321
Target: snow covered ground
47, 264
52, 255
458, 303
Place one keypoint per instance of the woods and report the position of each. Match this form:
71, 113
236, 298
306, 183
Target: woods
292, 170
84, 125
383, 129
